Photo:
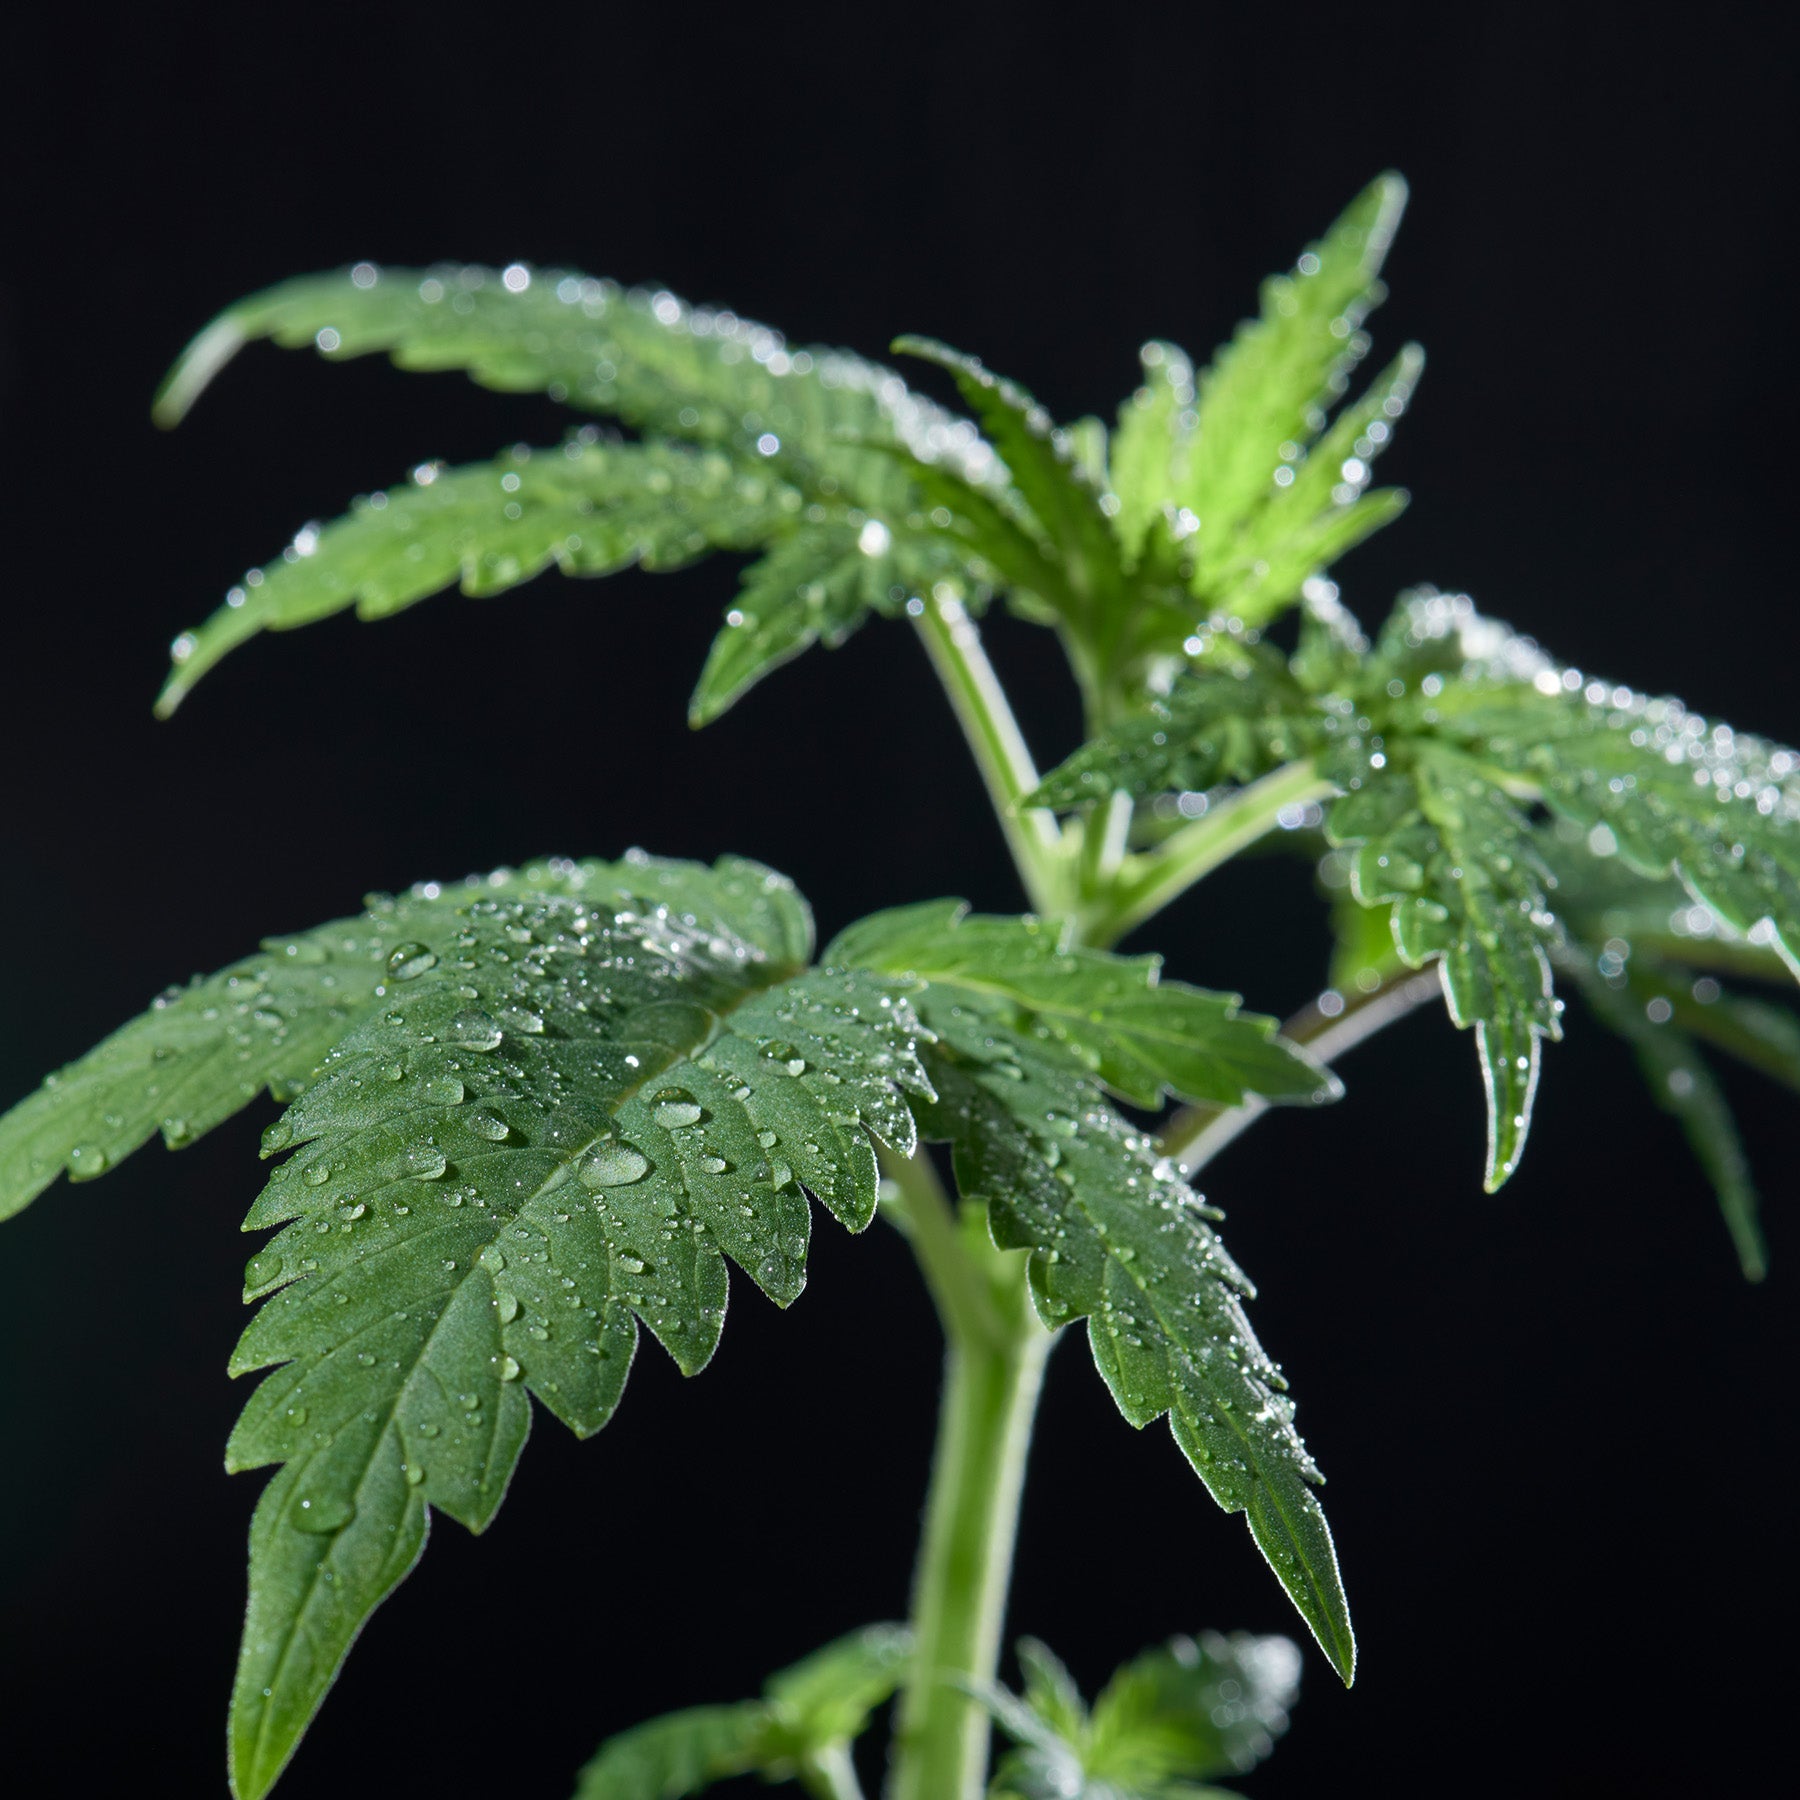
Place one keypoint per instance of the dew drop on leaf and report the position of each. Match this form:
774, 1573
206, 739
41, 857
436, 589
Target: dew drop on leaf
472, 1029
321, 1512
407, 962
676, 1107
612, 1165
86, 1161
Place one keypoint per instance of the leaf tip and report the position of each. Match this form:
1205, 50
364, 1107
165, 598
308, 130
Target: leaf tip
194, 370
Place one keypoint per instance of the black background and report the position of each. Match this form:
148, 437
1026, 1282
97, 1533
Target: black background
1555, 1420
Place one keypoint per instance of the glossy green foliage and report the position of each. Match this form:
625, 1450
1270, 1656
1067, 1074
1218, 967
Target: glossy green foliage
860, 493
202, 1053
1647, 959
1119, 1239
532, 1112
799, 1730
565, 1127
1275, 489
1216, 725
1143, 1037
747, 445
1447, 740
1453, 857
589, 508
1169, 1719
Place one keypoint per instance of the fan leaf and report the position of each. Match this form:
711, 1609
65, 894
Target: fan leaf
1117, 1238
545, 1110
1265, 399
202, 1053
1143, 1037
590, 508
809, 1711
1185, 1712
1454, 858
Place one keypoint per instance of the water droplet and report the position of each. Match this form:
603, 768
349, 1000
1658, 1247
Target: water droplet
407, 962
487, 1126
509, 1368
507, 1306
612, 1165
277, 1137
86, 1161
426, 1163
442, 1090
322, 1512
632, 1265
176, 1132
317, 1174
676, 1107
472, 1029
767, 1139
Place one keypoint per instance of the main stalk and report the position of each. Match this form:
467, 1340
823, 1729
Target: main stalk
996, 1347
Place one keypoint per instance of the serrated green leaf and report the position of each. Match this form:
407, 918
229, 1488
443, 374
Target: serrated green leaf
200, 1054
678, 1754
1154, 425
638, 354
1143, 1037
587, 509
1317, 508
1719, 809
1117, 1238
789, 440
808, 1710
1196, 1707
1684, 1087
566, 1126
1455, 860
1265, 399
1181, 1713
1214, 725
557, 1109
827, 1697
1049, 477
816, 586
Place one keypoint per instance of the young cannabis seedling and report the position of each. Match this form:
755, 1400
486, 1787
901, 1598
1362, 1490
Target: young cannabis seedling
528, 1114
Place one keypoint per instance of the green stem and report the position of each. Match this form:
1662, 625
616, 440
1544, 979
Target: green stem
1147, 883
1198, 1133
954, 646
829, 1774
993, 1371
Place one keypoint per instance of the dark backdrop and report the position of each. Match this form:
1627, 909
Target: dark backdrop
1555, 1420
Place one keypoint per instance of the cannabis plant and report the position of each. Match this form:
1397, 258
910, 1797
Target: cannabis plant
529, 1114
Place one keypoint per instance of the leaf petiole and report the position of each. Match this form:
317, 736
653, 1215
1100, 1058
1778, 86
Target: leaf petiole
1040, 847
1148, 882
